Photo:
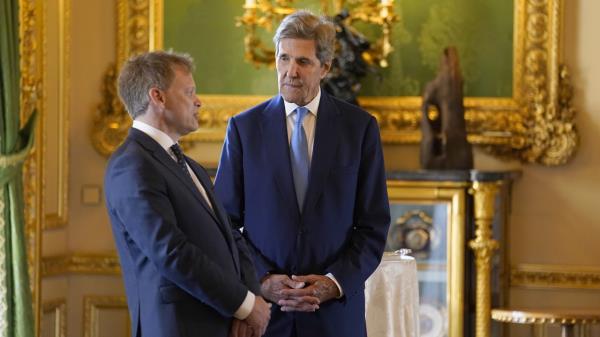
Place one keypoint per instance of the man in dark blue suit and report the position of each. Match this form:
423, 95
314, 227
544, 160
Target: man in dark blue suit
303, 173
187, 271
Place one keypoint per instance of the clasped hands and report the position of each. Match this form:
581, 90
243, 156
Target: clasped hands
298, 293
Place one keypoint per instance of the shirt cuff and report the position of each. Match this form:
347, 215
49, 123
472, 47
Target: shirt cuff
246, 308
330, 275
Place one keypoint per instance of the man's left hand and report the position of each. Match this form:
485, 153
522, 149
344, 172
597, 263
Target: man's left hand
240, 329
319, 286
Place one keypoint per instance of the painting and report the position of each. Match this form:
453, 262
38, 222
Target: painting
518, 93
482, 31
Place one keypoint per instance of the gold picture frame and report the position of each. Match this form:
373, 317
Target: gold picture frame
535, 125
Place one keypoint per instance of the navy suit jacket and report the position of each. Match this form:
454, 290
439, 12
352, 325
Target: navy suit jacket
343, 226
186, 269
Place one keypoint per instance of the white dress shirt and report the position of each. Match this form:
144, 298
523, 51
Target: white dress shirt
308, 123
166, 142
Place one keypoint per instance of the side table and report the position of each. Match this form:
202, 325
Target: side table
567, 318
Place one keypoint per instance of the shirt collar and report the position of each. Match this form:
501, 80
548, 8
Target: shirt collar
160, 137
312, 106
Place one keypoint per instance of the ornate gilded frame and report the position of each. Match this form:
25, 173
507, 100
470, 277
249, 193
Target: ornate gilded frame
453, 194
31, 51
535, 125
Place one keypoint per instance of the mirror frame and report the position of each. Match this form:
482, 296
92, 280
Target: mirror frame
535, 125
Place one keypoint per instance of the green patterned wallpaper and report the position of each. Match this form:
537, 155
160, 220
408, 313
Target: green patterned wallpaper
482, 31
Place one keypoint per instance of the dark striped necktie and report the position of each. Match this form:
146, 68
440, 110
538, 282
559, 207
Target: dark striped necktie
180, 158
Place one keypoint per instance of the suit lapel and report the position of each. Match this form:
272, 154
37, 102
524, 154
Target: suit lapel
277, 150
223, 221
324, 148
207, 184
165, 159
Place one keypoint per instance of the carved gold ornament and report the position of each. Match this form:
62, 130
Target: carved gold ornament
553, 277
31, 52
81, 263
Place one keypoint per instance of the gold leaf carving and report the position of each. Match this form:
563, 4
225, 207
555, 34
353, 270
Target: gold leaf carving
81, 263
550, 276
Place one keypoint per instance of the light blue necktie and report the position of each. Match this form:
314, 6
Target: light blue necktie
299, 156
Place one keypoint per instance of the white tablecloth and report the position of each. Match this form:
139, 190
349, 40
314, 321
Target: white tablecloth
392, 298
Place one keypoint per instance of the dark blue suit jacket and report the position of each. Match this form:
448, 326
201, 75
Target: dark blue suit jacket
186, 269
342, 228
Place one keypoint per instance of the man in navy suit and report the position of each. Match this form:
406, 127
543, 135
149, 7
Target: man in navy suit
187, 271
303, 173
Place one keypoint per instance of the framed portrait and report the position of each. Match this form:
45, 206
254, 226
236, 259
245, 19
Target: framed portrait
517, 93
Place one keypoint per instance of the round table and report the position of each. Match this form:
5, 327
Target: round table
392, 298
567, 318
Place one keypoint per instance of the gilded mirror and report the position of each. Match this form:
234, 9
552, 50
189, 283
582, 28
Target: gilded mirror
523, 112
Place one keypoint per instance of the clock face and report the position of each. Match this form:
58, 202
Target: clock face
413, 230
417, 239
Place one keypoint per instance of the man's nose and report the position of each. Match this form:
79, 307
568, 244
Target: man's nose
198, 102
293, 70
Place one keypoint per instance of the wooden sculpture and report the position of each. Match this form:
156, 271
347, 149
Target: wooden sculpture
444, 142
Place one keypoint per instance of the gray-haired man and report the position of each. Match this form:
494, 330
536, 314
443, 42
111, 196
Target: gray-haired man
303, 174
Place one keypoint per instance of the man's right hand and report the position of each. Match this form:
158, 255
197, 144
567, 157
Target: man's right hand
272, 285
259, 316
273, 288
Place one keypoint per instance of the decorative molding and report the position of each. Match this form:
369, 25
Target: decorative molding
555, 276
92, 305
111, 122
59, 218
58, 307
81, 263
31, 67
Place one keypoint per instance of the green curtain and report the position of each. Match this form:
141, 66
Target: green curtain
16, 314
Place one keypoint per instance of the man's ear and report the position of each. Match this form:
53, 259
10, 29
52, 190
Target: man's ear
325, 67
156, 96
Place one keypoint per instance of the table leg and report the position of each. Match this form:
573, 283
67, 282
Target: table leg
538, 330
568, 330
584, 330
